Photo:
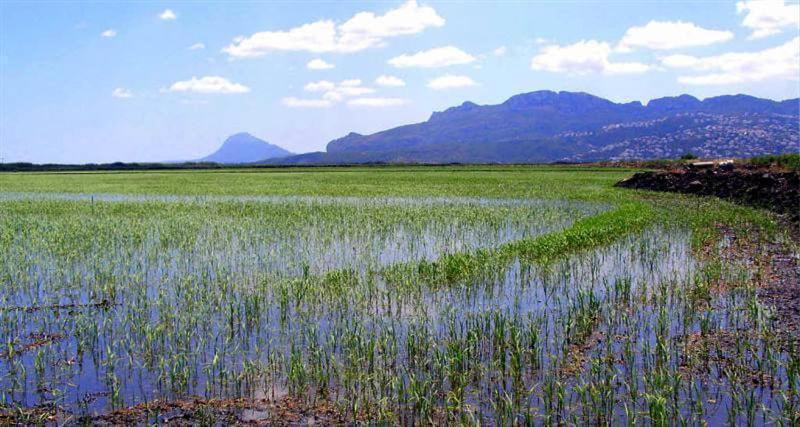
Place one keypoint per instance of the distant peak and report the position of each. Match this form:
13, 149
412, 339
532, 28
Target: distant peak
243, 147
240, 136
672, 104
465, 106
531, 97
563, 100
674, 101
540, 96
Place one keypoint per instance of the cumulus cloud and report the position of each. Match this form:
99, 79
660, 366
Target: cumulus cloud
389, 81
500, 51
350, 87
331, 93
109, 33
167, 15
209, 84
449, 81
350, 82
333, 96
121, 92
433, 58
197, 46
314, 37
664, 35
306, 103
362, 31
376, 102
777, 63
583, 57
319, 86
366, 28
768, 17
319, 64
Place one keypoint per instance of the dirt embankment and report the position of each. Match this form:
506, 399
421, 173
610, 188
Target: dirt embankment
773, 189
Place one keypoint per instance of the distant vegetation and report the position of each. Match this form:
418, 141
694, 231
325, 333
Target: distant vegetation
116, 166
788, 161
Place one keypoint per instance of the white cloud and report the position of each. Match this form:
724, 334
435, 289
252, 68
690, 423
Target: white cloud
768, 17
167, 15
333, 96
433, 58
335, 91
197, 46
389, 81
585, 56
449, 81
777, 63
362, 31
315, 37
376, 102
664, 35
319, 64
331, 93
320, 86
109, 33
121, 92
306, 103
367, 29
209, 84
500, 51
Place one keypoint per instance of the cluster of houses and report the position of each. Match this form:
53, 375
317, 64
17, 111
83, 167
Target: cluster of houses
704, 135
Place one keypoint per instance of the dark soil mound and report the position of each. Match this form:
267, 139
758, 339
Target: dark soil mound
772, 189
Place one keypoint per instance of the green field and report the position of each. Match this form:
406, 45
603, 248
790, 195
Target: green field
472, 181
401, 295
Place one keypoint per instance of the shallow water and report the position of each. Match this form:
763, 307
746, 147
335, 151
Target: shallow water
148, 277
335, 200
259, 305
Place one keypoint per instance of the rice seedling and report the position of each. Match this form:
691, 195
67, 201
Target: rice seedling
473, 304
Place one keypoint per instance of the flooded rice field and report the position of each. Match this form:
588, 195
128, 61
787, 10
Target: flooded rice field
110, 301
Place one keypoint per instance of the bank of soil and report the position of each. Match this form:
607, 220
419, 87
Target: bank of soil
286, 411
774, 189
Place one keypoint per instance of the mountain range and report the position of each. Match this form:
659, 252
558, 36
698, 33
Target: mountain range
245, 148
547, 126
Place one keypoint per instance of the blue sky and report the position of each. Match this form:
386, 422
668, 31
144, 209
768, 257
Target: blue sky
149, 81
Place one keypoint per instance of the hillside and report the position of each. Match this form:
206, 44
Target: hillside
548, 126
